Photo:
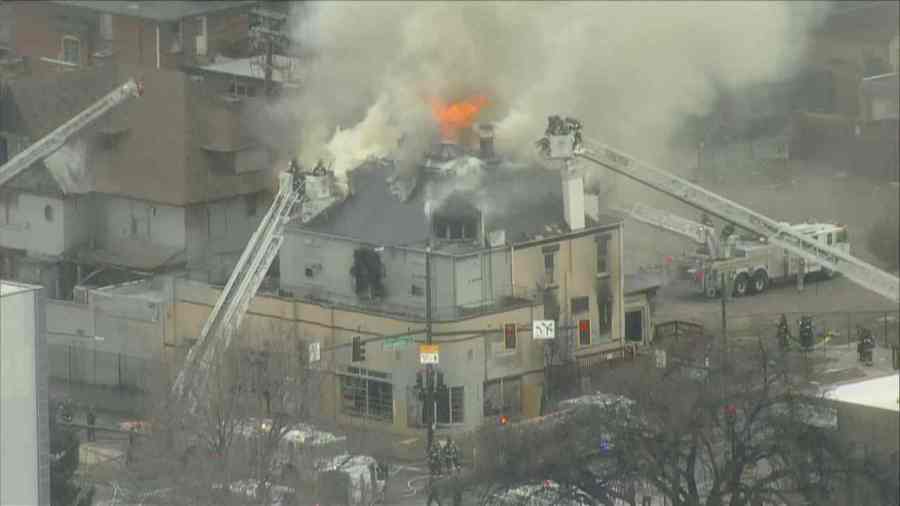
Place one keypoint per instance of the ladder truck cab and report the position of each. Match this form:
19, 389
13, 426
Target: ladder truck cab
750, 267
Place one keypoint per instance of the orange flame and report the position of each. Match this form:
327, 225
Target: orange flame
456, 116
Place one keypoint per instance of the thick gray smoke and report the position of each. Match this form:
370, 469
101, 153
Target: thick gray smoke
631, 71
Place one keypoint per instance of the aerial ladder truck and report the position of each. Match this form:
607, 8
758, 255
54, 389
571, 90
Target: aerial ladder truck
53, 141
192, 386
753, 263
563, 141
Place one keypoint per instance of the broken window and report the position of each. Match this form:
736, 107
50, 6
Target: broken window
368, 273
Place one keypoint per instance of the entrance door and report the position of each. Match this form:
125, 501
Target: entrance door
634, 326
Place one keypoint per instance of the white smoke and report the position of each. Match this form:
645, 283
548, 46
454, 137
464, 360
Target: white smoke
631, 71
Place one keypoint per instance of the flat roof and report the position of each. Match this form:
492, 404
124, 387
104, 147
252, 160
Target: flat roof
882, 392
159, 11
11, 288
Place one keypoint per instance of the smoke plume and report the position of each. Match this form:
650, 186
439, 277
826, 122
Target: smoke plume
631, 71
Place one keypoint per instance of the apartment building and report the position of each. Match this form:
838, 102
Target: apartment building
44, 38
172, 178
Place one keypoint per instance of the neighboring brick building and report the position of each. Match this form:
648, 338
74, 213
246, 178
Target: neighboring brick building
47, 37
170, 178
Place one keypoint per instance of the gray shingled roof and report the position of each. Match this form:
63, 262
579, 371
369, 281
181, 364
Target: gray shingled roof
524, 202
44, 104
158, 11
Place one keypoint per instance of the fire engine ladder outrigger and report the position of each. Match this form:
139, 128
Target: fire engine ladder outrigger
246, 278
563, 141
50, 143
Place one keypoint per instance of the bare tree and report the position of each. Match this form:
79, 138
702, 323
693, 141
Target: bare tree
255, 396
749, 429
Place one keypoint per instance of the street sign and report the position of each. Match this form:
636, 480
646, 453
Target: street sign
315, 353
428, 354
543, 329
397, 342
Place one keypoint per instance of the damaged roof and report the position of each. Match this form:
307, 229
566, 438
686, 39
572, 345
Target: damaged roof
526, 203
158, 11
643, 282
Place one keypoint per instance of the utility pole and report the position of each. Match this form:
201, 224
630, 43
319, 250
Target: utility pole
429, 370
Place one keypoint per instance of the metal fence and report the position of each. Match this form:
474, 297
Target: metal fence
83, 365
840, 325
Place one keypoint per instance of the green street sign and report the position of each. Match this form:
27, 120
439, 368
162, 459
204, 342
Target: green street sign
397, 342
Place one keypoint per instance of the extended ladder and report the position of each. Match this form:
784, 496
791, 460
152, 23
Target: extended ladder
684, 227
568, 146
55, 139
231, 306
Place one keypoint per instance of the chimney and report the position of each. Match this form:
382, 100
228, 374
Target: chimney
573, 200
485, 140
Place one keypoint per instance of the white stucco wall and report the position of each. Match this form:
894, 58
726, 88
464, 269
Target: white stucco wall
23, 459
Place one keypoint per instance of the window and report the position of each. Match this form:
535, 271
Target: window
367, 398
309, 272
48, 212
830, 239
604, 309
580, 305
841, 236
4, 151
71, 49
8, 204
502, 397
603, 254
509, 336
416, 291
450, 408
250, 201
549, 268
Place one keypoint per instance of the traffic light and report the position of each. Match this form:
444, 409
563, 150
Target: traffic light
359, 350
509, 332
584, 331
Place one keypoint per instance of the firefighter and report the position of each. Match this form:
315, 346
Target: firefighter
434, 459
451, 456
784, 333
865, 346
91, 422
319, 169
807, 339
706, 220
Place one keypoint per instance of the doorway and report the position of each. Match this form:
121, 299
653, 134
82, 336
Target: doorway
634, 326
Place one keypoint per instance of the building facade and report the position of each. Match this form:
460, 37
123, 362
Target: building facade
44, 38
24, 417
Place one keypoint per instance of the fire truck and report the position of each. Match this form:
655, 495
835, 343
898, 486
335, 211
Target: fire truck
751, 267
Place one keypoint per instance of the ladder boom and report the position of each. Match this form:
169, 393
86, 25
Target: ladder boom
231, 306
567, 144
699, 233
51, 142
